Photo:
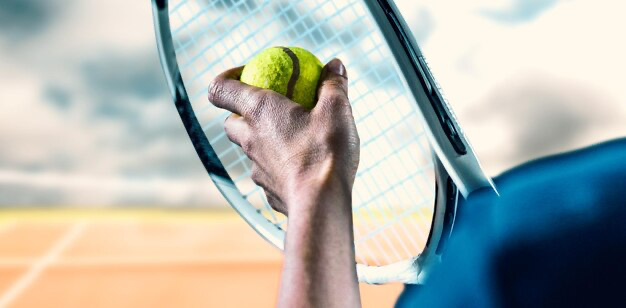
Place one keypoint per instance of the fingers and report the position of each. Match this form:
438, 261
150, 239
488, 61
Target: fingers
333, 85
261, 178
275, 202
237, 129
227, 92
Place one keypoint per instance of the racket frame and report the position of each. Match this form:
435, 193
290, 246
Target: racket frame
457, 169
205, 151
446, 137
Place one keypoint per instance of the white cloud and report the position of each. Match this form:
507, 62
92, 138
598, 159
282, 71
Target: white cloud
572, 43
104, 143
87, 119
89, 190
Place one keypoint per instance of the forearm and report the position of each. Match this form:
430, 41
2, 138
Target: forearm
305, 160
319, 266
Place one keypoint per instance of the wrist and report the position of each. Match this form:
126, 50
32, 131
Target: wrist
311, 193
319, 243
320, 209
321, 180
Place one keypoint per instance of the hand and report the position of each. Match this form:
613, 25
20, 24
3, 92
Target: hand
296, 153
305, 161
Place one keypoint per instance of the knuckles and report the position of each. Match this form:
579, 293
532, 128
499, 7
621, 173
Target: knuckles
334, 103
335, 86
215, 89
260, 102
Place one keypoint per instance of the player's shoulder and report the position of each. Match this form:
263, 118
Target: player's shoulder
554, 235
568, 188
578, 167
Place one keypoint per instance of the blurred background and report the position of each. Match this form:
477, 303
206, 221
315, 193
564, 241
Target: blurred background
87, 122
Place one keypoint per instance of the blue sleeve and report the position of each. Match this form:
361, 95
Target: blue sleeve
556, 236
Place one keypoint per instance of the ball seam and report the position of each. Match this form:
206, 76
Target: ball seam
295, 72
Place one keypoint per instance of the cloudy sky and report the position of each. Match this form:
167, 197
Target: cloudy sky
87, 120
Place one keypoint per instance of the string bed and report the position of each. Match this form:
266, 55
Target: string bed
394, 193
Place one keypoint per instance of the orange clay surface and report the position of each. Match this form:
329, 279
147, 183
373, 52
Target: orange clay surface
141, 258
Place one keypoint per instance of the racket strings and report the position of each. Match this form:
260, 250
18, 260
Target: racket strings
394, 189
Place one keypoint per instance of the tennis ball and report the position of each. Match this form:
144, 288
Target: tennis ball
290, 71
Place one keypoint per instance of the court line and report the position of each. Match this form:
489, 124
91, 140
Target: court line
36, 268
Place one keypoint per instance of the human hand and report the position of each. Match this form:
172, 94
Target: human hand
296, 153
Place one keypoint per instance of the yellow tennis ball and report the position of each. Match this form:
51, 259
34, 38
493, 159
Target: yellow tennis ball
290, 71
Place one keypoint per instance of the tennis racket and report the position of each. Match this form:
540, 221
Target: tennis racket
415, 160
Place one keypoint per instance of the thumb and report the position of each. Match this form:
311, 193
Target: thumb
333, 85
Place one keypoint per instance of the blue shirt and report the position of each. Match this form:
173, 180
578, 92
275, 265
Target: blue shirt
556, 236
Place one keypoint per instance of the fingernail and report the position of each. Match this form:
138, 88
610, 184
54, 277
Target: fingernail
335, 66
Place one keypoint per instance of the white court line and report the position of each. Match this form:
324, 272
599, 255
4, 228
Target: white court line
35, 270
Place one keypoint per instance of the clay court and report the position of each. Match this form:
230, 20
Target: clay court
141, 258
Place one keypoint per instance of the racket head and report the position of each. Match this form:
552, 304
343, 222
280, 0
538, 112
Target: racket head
404, 196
